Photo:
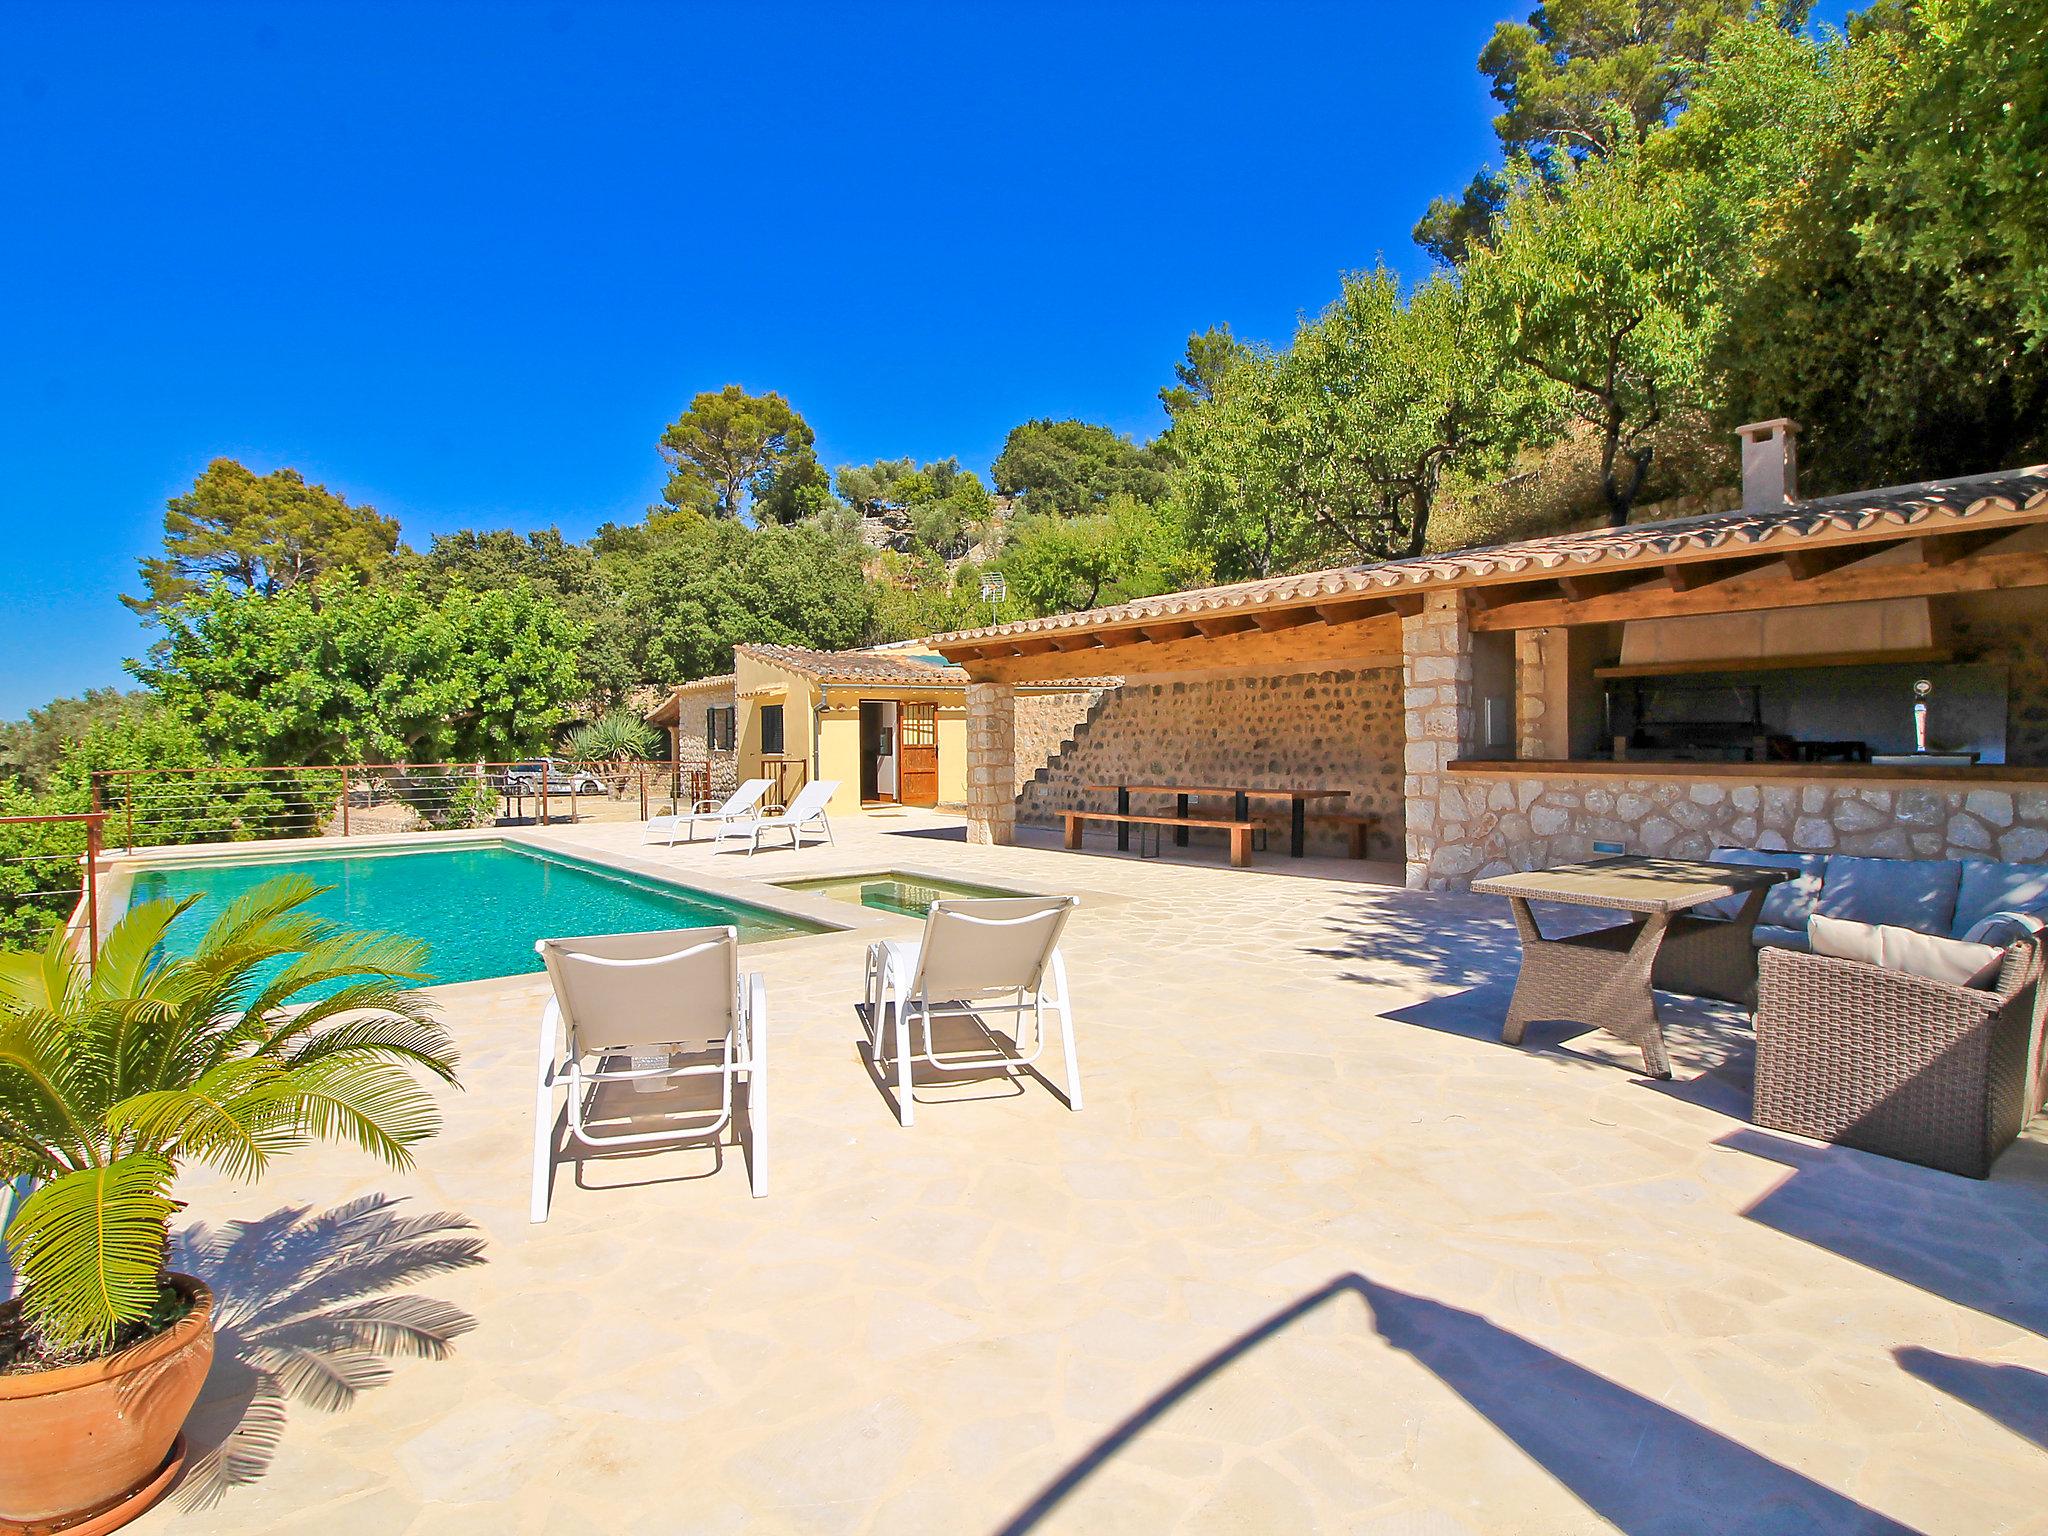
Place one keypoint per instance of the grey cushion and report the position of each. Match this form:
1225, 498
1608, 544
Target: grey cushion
1903, 893
1789, 903
1988, 887
1778, 938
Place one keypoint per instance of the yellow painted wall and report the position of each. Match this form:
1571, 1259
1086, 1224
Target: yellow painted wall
839, 758
952, 752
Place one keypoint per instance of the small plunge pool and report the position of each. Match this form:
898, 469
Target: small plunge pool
894, 890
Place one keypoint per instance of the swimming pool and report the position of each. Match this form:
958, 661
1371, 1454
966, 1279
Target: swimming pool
478, 908
894, 890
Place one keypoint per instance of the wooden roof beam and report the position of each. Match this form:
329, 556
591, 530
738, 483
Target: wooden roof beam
1179, 629
1276, 619
1225, 624
1349, 613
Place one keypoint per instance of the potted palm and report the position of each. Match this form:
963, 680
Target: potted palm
274, 1029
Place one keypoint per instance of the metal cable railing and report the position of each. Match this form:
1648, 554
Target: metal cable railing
153, 807
49, 878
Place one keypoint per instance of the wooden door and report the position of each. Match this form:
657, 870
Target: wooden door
917, 754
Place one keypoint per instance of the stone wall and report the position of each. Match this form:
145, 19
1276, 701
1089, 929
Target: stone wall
2010, 629
1436, 702
1338, 729
1511, 820
991, 764
1045, 724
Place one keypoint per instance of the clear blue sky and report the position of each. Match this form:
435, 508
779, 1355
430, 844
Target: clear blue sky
463, 261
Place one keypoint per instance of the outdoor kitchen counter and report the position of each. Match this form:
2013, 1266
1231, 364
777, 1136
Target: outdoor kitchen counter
1831, 773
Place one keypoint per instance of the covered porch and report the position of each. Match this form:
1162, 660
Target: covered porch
1743, 679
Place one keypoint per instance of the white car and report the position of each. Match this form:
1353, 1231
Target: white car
562, 779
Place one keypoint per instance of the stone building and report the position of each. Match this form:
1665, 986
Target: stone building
1745, 677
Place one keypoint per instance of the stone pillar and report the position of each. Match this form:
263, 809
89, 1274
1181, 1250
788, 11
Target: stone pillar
1542, 693
991, 764
1436, 677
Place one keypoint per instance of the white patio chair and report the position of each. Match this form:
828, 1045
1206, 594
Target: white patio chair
627, 1007
714, 813
980, 955
806, 813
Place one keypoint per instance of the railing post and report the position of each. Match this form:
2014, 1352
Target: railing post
544, 766
344, 802
641, 775
128, 786
574, 775
92, 886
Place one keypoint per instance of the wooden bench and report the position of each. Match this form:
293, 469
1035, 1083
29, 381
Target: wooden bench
1357, 825
1240, 831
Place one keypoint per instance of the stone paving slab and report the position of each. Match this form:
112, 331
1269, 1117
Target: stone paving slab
1319, 1255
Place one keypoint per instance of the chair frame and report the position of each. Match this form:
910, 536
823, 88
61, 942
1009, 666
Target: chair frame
716, 812
560, 1061
897, 1001
786, 819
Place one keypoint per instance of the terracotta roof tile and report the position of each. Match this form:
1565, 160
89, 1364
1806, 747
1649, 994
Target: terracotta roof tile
1872, 512
857, 666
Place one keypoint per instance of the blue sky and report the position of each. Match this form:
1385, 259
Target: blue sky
463, 261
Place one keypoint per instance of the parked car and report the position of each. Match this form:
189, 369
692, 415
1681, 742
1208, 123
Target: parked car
562, 778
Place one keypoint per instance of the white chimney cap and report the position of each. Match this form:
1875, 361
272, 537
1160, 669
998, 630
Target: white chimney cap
1756, 431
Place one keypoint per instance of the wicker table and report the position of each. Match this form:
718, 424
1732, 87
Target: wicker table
1605, 978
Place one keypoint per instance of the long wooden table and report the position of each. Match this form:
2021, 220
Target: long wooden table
1606, 978
1240, 796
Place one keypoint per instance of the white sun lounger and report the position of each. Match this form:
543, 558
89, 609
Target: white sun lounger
643, 1008
806, 813
980, 955
711, 813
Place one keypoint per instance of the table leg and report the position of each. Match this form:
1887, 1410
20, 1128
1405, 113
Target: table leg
1298, 831
1123, 828
1580, 979
1180, 834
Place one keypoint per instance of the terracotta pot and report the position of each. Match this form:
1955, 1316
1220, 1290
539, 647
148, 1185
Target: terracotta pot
89, 1447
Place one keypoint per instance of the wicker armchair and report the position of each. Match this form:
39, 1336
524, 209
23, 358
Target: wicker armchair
1897, 1064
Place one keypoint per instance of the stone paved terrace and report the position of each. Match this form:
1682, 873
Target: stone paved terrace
1319, 1255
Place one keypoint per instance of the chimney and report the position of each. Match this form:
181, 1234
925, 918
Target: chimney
1770, 464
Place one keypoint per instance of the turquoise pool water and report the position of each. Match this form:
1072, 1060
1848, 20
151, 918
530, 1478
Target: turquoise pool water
478, 909
895, 891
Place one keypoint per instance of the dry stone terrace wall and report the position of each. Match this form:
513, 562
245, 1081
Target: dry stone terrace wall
1045, 723
1497, 821
1335, 729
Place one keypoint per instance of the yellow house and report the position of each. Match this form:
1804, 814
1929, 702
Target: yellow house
889, 724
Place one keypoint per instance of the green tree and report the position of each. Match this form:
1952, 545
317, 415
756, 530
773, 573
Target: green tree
1209, 357
275, 1029
692, 588
1336, 447
258, 533
727, 451
1604, 287
1806, 168
1578, 79
1958, 183
1129, 549
351, 673
560, 569
33, 747
1069, 467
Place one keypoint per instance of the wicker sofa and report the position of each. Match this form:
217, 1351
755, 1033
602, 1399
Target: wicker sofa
1897, 1064
1888, 1062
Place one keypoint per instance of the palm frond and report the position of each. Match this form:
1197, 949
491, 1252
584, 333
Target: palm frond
126, 956
39, 980
90, 1246
380, 1111
371, 957
37, 1089
421, 1042
230, 1117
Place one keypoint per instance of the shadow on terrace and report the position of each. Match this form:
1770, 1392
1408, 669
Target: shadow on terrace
1463, 949
307, 1310
1631, 1461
